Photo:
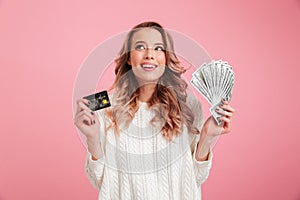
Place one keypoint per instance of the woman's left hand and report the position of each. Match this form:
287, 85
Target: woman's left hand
212, 129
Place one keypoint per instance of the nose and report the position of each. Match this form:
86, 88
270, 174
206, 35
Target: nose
149, 55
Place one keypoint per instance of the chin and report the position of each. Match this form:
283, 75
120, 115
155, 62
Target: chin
148, 78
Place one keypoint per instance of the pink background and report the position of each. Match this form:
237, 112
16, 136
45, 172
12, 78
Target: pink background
43, 43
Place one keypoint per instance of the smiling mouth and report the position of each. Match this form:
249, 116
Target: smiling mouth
148, 66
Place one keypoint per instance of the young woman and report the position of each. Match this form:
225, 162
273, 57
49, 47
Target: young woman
152, 143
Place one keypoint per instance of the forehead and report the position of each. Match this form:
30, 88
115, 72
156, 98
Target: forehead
148, 35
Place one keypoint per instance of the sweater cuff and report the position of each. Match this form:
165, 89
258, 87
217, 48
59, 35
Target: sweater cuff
210, 156
96, 165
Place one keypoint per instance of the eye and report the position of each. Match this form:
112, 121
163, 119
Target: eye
159, 48
140, 47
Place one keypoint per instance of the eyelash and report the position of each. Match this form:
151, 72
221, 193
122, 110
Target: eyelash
139, 47
157, 48
161, 48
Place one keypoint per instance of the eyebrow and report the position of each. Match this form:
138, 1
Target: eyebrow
159, 43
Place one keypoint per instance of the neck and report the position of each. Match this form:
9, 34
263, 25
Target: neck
146, 91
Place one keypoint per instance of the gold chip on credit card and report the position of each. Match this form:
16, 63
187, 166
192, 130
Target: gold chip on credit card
98, 100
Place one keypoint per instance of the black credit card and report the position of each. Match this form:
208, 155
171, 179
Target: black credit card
98, 101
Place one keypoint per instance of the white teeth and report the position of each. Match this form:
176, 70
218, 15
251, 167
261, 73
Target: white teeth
148, 66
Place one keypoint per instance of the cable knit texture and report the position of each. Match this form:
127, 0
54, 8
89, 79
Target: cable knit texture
141, 164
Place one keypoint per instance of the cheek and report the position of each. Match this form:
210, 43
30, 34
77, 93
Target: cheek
161, 59
134, 58
162, 70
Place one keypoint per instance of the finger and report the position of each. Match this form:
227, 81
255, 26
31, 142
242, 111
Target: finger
226, 125
83, 120
226, 130
85, 101
225, 119
90, 114
87, 115
82, 106
224, 113
79, 104
227, 108
225, 102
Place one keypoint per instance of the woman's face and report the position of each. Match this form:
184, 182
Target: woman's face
147, 56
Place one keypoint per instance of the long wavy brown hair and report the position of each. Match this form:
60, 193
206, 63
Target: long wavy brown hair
169, 98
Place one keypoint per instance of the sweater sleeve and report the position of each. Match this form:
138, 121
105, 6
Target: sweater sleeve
94, 169
202, 168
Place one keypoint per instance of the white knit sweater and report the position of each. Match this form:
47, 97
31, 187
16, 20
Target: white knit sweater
142, 164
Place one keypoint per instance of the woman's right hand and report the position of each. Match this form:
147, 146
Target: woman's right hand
86, 120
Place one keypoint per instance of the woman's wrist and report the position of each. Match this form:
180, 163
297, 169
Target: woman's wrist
202, 151
94, 147
203, 147
93, 138
205, 139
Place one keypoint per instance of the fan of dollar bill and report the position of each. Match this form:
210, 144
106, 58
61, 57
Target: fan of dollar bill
214, 80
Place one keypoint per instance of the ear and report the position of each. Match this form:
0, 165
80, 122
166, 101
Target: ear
129, 61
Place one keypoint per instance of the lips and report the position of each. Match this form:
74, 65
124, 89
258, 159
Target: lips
148, 66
